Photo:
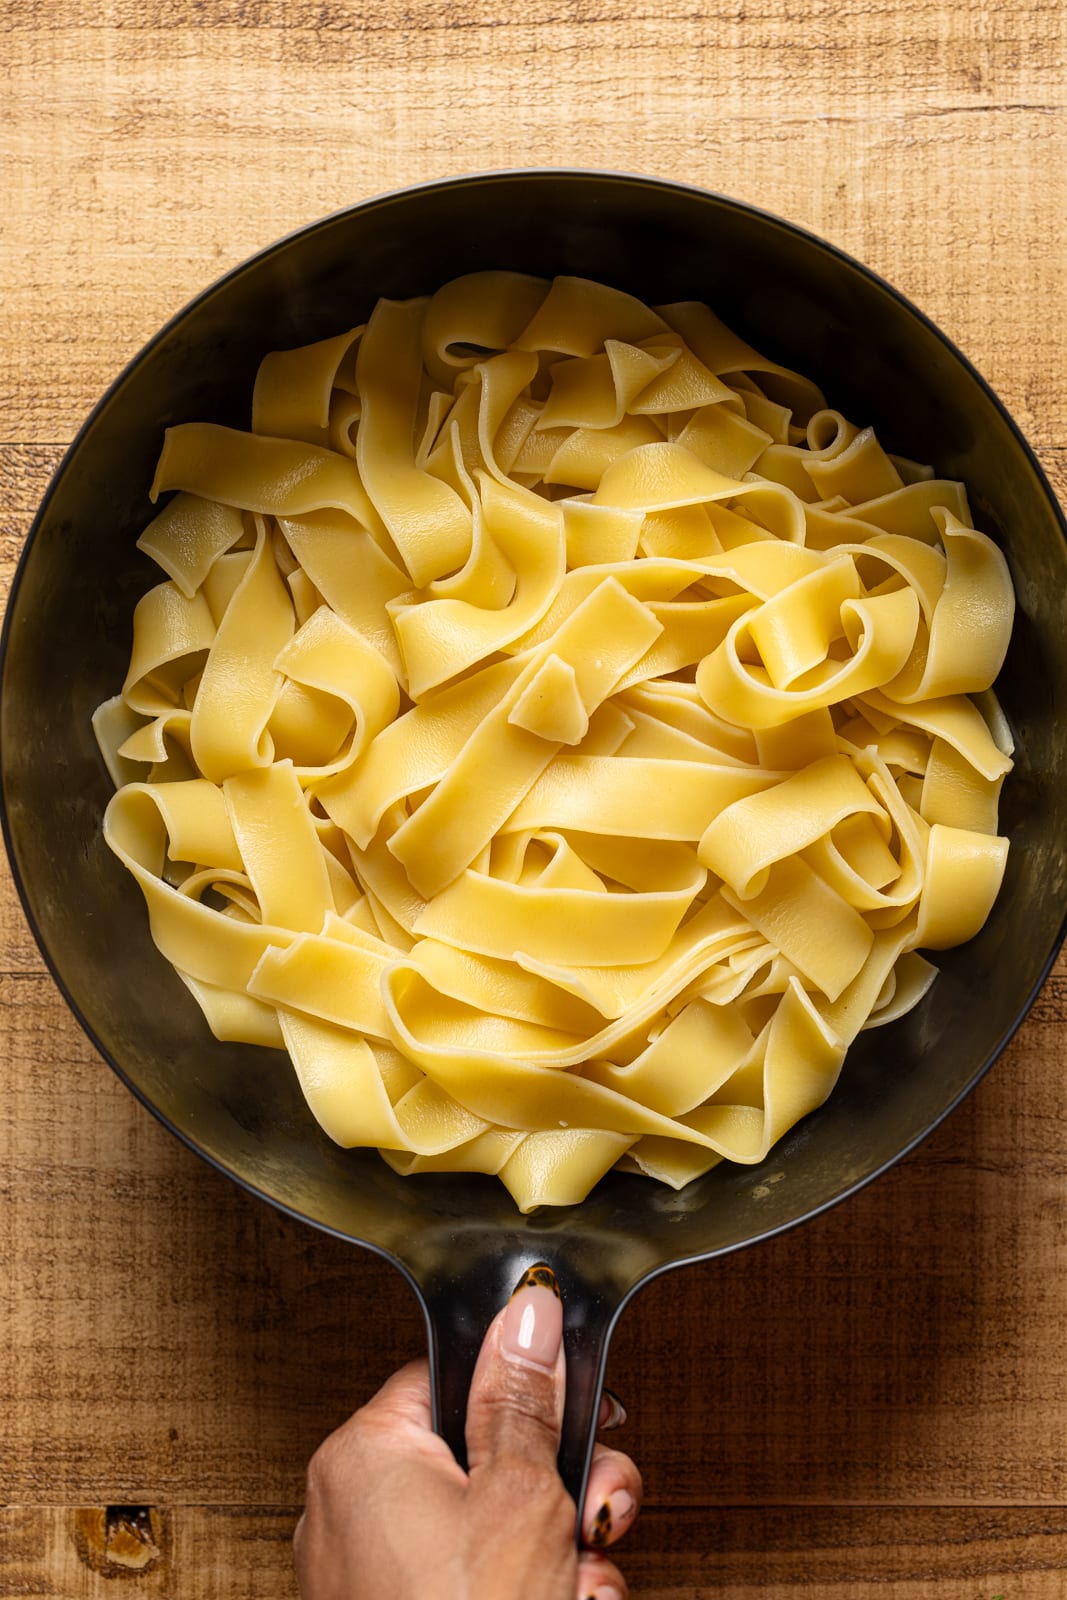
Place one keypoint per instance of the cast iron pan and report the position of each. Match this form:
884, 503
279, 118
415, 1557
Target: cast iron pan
459, 1240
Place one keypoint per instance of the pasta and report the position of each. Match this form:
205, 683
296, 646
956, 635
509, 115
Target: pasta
559, 730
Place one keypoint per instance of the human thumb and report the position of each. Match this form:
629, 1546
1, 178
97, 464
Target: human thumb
516, 1400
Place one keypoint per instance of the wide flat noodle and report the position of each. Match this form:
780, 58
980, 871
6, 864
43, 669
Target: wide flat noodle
559, 731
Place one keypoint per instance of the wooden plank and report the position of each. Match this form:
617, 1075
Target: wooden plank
143, 1360
166, 1336
222, 1553
842, 1554
273, 117
173, 1553
884, 1353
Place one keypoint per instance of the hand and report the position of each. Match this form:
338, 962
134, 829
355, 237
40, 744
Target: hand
391, 1513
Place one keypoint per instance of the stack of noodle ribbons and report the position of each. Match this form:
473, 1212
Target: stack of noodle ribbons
558, 731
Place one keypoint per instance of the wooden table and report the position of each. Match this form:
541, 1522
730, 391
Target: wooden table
874, 1406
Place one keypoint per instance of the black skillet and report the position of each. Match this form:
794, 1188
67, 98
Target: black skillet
459, 1240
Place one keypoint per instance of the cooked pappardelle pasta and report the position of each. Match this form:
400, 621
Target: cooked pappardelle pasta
559, 731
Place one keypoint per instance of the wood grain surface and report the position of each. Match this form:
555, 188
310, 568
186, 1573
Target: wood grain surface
873, 1406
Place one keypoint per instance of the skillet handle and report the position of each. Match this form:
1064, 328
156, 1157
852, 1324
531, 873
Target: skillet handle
460, 1310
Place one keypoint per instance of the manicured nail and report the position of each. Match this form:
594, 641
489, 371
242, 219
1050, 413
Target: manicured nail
612, 1412
532, 1329
539, 1276
613, 1518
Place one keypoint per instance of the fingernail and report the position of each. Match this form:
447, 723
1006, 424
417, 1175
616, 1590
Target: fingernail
614, 1516
539, 1276
612, 1412
532, 1329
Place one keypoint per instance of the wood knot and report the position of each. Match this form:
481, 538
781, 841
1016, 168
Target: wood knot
118, 1541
